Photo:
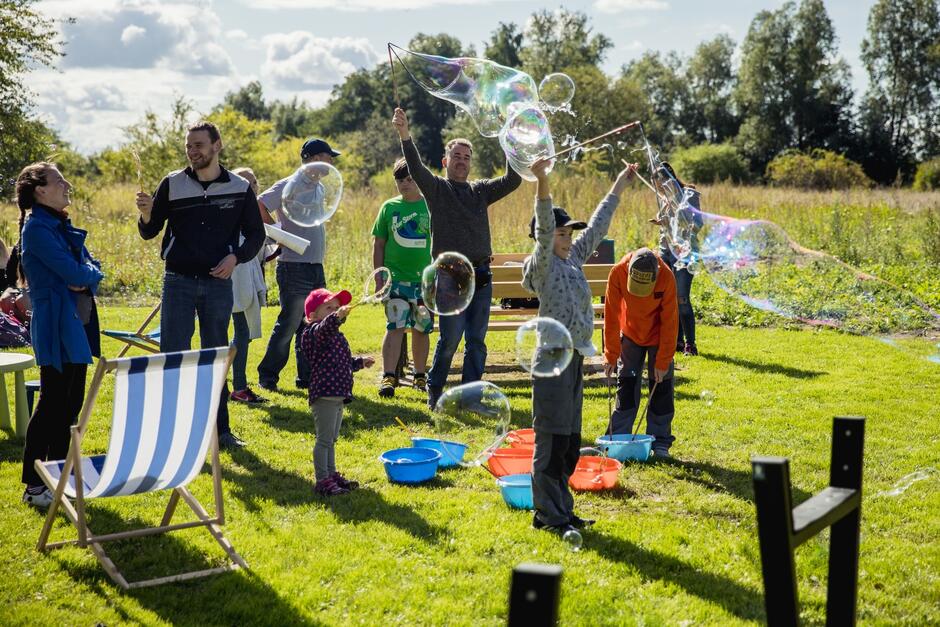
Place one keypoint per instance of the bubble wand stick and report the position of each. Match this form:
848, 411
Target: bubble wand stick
140, 178
619, 129
394, 82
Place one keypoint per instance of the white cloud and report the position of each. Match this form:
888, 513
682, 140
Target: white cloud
301, 62
142, 34
619, 6
361, 5
236, 34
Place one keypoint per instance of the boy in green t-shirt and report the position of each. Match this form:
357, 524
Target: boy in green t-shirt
402, 243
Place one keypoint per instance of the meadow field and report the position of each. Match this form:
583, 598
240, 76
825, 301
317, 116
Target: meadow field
675, 543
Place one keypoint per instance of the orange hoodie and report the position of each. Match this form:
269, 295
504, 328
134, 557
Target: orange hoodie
648, 321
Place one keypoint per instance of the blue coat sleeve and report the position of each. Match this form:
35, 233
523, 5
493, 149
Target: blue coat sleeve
58, 259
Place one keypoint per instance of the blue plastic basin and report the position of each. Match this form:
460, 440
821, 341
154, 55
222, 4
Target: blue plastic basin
410, 465
517, 491
451, 452
624, 446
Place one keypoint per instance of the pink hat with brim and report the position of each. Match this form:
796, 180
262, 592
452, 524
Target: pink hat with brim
319, 296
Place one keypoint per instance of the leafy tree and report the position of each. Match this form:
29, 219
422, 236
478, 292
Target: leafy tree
661, 79
558, 39
249, 100
290, 119
793, 91
27, 40
505, 45
901, 53
708, 112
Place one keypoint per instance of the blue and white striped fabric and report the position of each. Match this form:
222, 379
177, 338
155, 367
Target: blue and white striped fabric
165, 406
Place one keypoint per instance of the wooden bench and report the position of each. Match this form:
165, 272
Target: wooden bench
507, 283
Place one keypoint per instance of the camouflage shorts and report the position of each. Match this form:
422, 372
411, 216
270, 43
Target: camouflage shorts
404, 308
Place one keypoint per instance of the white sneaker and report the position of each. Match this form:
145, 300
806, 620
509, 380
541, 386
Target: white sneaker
42, 500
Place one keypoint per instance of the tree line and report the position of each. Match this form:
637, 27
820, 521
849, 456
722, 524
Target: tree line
782, 90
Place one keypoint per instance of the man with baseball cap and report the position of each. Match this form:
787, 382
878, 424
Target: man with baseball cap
297, 275
641, 318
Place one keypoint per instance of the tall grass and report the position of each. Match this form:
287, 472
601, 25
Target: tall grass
892, 233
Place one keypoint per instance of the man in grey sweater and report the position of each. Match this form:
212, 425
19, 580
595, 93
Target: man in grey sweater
459, 223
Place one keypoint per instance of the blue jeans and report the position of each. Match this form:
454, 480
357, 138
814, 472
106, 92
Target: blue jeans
471, 324
241, 341
185, 298
683, 295
295, 281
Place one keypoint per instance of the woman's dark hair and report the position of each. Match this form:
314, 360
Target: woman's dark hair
32, 176
671, 172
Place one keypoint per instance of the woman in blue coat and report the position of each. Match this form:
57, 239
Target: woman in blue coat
62, 278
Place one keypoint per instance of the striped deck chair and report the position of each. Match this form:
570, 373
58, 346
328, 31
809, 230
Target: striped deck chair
141, 338
162, 427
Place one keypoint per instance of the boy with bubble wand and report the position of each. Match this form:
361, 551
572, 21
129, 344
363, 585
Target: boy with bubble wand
553, 272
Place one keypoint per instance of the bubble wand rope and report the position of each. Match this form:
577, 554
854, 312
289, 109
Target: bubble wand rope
391, 66
646, 412
619, 129
645, 182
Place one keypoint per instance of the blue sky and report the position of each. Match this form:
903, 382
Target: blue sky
127, 56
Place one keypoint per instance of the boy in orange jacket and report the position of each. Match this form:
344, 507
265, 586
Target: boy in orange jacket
641, 317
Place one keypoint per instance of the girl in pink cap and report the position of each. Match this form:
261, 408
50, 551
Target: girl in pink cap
331, 380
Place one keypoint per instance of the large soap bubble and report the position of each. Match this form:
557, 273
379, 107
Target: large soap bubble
543, 347
480, 87
312, 194
526, 138
475, 414
556, 90
447, 285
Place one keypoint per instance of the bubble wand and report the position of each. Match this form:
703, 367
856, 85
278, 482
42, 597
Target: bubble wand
616, 131
140, 177
646, 412
370, 296
391, 65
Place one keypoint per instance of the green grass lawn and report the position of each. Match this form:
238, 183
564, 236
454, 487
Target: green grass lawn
675, 543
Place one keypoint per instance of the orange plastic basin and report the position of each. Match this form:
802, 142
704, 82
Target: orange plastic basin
595, 473
521, 438
511, 461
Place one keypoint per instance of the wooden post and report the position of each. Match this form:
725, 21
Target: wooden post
848, 439
79, 487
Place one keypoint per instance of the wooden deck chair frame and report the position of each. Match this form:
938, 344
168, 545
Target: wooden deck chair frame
76, 512
139, 338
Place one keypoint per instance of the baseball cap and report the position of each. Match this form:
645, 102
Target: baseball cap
321, 295
561, 219
642, 273
314, 147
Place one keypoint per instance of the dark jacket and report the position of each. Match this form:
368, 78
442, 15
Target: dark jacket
331, 362
54, 257
204, 221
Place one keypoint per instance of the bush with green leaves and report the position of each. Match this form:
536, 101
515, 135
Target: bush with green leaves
927, 177
709, 163
818, 169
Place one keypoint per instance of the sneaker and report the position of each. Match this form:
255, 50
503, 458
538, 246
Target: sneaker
690, 349
580, 523
329, 487
661, 453
387, 387
343, 482
301, 385
267, 385
434, 394
680, 348
43, 499
247, 396
421, 382
230, 441
537, 523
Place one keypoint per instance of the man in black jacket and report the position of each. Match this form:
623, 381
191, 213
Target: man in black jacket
213, 225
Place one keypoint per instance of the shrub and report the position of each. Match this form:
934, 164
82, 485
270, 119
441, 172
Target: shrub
927, 176
819, 169
710, 163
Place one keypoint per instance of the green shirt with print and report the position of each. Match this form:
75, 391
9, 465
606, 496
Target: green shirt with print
406, 228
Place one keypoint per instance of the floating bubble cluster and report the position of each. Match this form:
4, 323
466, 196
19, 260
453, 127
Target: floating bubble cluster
476, 414
526, 138
447, 285
556, 90
543, 347
312, 194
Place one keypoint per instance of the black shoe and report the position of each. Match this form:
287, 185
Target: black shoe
580, 523
301, 385
434, 394
229, 441
265, 385
536, 523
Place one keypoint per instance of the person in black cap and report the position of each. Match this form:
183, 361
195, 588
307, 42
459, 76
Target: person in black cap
297, 275
553, 273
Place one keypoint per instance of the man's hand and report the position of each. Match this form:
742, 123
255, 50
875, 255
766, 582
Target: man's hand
144, 206
610, 370
400, 122
659, 375
540, 168
368, 362
225, 267
625, 176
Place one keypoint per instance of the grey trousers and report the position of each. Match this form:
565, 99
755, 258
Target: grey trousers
555, 459
629, 379
328, 417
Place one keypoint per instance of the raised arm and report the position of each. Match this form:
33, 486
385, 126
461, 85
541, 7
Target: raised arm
537, 265
153, 211
599, 223
426, 180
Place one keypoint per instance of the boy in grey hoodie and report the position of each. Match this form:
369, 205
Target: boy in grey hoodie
553, 272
